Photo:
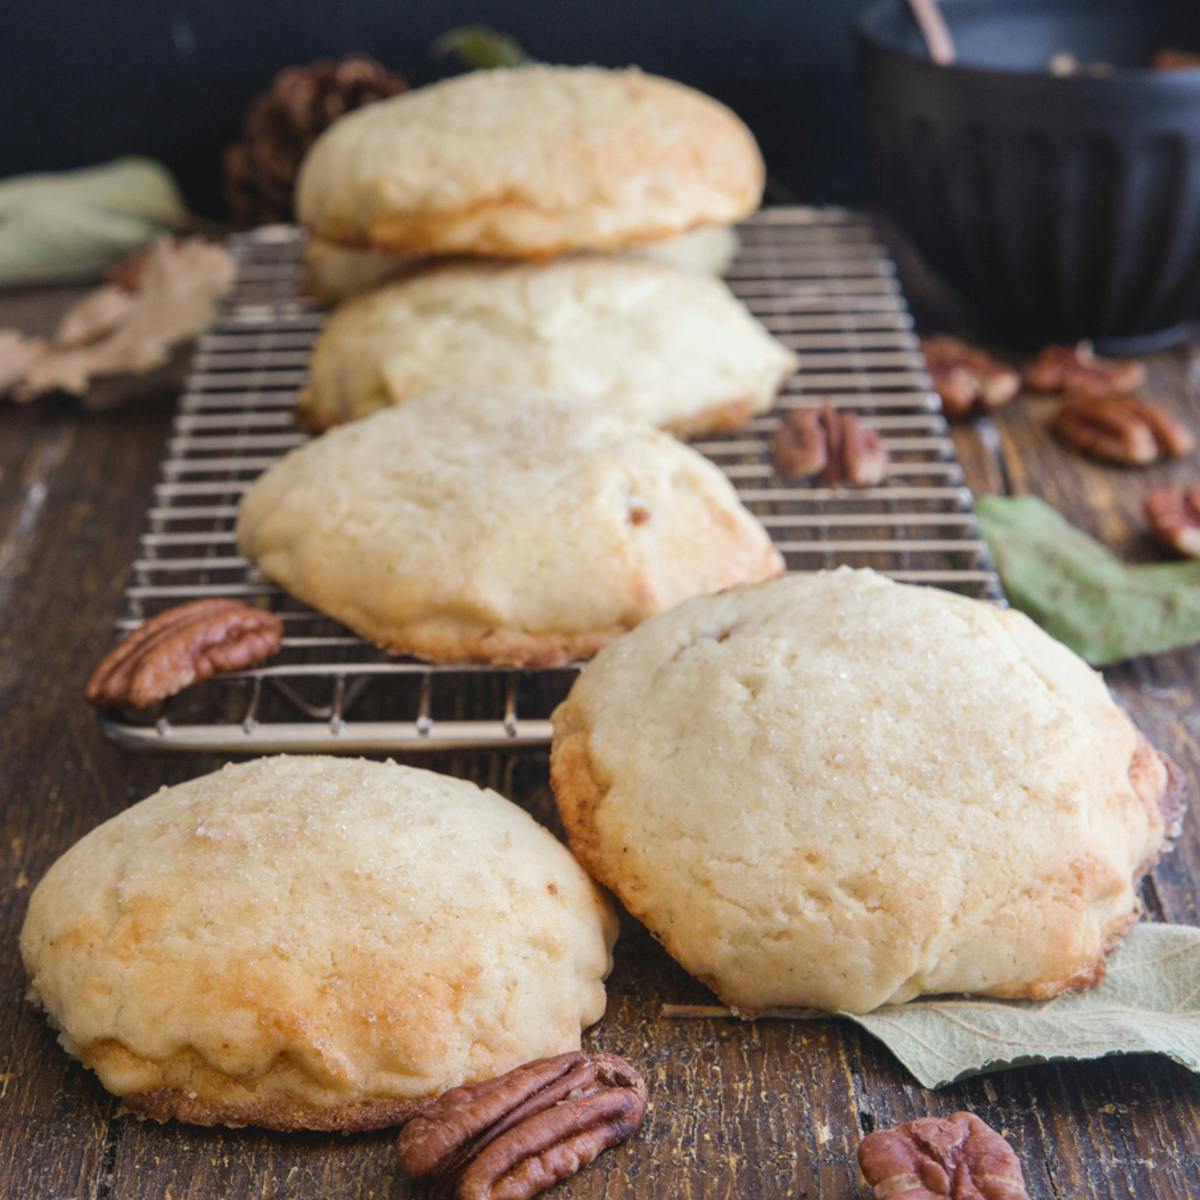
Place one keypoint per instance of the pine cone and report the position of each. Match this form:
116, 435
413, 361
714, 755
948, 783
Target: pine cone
260, 170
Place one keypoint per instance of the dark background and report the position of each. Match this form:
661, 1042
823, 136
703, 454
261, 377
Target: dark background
81, 83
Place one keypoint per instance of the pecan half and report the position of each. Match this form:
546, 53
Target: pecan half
931, 1157
1078, 371
1121, 429
1174, 60
837, 445
513, 1137
1175, 518
799, 446
967, 379
182, 646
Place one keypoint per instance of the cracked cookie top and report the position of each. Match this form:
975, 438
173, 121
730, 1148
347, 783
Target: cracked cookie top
836, 791
314, 943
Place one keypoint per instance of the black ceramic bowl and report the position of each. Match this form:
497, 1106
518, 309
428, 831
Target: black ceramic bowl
1064, 206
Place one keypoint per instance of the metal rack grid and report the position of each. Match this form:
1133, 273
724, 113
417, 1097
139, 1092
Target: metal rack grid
816, 277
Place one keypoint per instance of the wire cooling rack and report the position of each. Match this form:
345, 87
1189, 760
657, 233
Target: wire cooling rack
816, 277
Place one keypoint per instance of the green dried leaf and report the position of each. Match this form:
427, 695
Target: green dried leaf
69, 226
1148, 1003
1082, 594
481, 48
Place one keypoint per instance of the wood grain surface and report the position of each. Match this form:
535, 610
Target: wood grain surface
753, 1111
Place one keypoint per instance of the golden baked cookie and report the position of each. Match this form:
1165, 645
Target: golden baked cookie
333, 273
314, 943
837, 792
643, 340
530, 162
507, 527
710, 249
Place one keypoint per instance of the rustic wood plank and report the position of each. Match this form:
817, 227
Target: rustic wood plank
60, 572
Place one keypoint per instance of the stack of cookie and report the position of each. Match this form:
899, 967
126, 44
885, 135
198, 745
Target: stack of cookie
527, 163
500, 493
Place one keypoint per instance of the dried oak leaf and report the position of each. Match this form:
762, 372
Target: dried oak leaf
958, 1156
181, 646
94, 317
18, 353
116, 335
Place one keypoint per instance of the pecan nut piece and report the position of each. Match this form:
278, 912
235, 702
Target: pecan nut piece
182, 646
1174, 60
1174, 438
513, 1137
967, 379
835, 445
933, 1157
799, 446
1077, 371
1123, 430
1175, 518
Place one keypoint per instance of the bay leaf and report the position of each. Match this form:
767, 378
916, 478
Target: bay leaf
70, 225
1081, 593
481, 48
1148, 1002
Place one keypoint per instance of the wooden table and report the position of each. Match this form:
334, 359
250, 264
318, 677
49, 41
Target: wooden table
767, 1110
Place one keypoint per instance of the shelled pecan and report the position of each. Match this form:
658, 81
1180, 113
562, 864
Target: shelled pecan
799, 446
1077, 371
932, 1157
835, 445
1175, 518
968, 379
1168, 59
182, 646
1123, 430
513, 1137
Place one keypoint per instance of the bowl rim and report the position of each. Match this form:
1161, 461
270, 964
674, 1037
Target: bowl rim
865, 27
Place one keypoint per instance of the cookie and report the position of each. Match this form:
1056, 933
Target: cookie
334, 273
643, 340
530, 162
314, 943
838, 792
510, 527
